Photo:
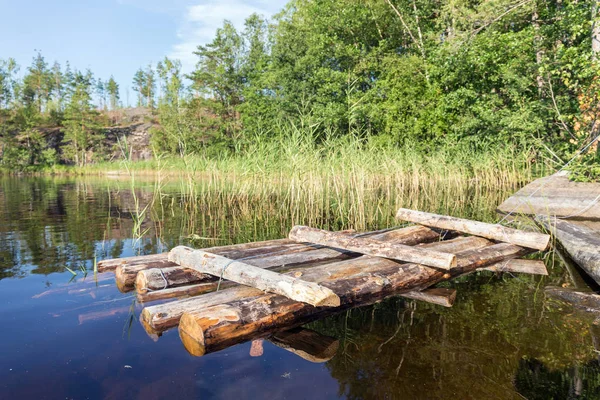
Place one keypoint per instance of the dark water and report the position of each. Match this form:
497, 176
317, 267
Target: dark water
67, 335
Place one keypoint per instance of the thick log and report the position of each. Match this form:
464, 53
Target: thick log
126, 274
555, 195
306, 343
532, 267
580, 242
164, 316
246, 274
157, 279
206, 330
113, 263
532, 240
411, 235
441, 296
587, 301
372, 247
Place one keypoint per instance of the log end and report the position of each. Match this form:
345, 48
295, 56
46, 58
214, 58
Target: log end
192, 335
329, 299
141, 282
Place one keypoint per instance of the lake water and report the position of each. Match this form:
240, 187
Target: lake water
67, 335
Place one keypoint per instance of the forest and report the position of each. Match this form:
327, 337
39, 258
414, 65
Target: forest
451, 76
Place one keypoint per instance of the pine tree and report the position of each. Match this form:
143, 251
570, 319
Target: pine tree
139, 82
113, 93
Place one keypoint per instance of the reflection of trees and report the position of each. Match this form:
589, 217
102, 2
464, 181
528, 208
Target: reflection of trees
473, 350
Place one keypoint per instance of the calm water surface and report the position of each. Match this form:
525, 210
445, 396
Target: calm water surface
67, 335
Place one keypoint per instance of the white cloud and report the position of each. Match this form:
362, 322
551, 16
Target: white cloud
201, 21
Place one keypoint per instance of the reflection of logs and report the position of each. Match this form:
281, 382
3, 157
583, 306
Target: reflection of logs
306, 343
357, 282
440, 296
97, 315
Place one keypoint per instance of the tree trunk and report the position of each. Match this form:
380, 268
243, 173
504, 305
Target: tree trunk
532, 240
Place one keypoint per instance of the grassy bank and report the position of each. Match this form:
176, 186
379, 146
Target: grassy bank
336, 182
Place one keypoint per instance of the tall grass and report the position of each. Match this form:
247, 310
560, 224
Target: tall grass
336, 182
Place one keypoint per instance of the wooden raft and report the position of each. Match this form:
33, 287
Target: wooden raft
271, 286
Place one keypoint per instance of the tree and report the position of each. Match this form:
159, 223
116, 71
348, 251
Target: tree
139, 82
113, 93
149, 86
218, 75
38, 81
81, 127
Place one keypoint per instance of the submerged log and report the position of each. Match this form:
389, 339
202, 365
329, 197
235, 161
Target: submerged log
587, 301
246, 274
441, 296
373, 247
206, 330
410, 235
306, 343
581, 243
532, 240
164, 316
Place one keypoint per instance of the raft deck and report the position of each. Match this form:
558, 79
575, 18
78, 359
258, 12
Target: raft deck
221, 296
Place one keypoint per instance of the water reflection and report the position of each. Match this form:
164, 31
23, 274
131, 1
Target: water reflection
73, 336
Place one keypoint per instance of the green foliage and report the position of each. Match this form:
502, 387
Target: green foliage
586, 168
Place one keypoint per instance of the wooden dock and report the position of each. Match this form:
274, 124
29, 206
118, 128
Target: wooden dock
221, 296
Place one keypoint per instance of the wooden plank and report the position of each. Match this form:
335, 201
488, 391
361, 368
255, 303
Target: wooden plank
555, 195
206, 330
164, 316
580, 242
246, 274
532, 240
441, 296
373, 247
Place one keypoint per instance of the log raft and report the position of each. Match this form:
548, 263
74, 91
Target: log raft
280, 284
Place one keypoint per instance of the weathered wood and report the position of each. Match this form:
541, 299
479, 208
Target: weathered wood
581, 243
306, 343
532, 240
206, 330
156, 279
275, 253
373, 247
126, 274
113, 263
532, 267
410, 235
555, 195
587, 301
441, 296
164, 316
246, 274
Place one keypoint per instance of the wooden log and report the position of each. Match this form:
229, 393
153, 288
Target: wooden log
164, 316
555, 195
373, 247
587, 301
273, 253
246, 274
206, 330
532, 240
306, 343
532, 267
441, 296
157, 279
410, 235
113, 263
581, 243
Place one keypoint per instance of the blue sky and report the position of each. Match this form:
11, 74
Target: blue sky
117, 36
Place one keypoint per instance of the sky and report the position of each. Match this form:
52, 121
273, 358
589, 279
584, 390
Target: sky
116, 37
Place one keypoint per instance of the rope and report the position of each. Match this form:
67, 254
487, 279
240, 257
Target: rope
223, 270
